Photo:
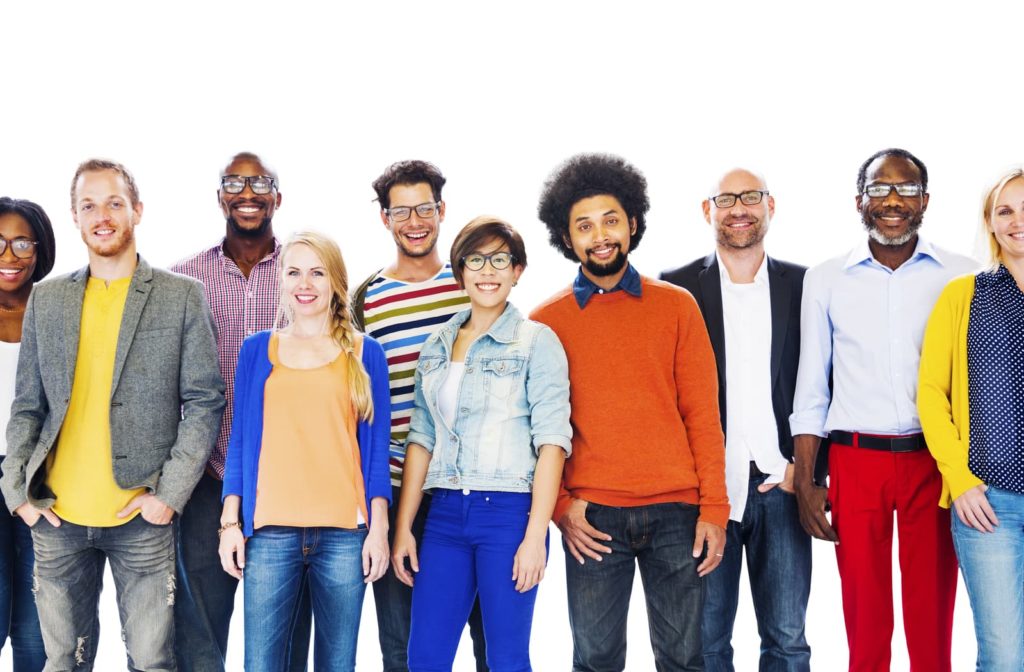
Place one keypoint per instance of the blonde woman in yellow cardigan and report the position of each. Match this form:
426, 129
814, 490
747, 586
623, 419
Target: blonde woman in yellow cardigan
971, 402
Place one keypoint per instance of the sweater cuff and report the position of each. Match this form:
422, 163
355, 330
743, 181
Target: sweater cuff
717, 514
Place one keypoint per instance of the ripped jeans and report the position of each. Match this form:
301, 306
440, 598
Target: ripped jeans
69, 576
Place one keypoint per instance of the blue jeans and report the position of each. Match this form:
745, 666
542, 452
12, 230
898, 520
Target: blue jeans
660, 538
69, 577
206, 593
779, 567
993, 567
18, 618
393, 600
278, 561
468, 549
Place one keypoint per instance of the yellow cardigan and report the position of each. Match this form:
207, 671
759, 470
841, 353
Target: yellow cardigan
942, 402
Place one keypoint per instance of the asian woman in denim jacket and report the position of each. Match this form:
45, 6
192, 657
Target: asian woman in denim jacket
489, 435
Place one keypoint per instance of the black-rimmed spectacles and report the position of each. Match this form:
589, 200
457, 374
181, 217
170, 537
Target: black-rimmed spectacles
752, 197
22, 248
499, 260
404, 212
235, 184
883, 189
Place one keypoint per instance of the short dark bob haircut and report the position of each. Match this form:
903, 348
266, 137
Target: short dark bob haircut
586, 175
408, 172
46, 249
481, 231
892, 151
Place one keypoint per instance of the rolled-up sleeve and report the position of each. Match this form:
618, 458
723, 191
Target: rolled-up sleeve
547, 393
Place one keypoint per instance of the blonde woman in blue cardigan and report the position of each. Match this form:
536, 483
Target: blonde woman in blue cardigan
971, 402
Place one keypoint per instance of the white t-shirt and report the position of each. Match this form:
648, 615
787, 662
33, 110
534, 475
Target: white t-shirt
448, 393
8, 375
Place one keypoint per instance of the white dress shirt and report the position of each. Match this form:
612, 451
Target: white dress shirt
864, 322
751, 432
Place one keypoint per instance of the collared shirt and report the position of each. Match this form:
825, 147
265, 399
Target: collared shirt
750, 432
864, 323
241, 307
583, 287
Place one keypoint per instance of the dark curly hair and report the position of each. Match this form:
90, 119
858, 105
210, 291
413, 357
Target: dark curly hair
46, 248
408, 172
892, 151
586, 175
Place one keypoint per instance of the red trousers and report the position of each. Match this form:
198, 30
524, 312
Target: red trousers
865, 488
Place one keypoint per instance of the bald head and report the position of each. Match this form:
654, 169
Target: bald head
735, 176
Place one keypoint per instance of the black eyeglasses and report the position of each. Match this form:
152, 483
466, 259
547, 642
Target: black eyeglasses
882, 189
499, 260
746, 198
235, 184
22, 248
404, 212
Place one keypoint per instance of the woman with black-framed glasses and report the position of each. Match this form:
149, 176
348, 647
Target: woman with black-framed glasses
26, 256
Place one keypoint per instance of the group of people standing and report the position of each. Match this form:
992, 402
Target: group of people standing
419, 433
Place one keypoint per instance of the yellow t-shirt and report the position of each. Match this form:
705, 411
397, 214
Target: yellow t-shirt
81, 468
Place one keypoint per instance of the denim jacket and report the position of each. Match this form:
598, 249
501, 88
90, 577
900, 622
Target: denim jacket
513, 399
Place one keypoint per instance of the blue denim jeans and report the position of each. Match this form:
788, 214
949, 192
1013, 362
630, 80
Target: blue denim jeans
658, 537
69, 577
18, 617
278, 561
993, 567
779, 567
393, 600
206, 593
468, 548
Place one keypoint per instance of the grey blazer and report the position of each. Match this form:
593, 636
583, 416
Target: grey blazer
167, 394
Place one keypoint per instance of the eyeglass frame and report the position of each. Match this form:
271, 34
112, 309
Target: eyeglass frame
247, 182
5, 243
739, 197
488, 259
896, 187
411, 208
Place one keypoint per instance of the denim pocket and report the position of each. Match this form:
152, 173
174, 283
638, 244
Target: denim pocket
516, 502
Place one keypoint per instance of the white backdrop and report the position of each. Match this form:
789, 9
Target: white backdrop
497, 95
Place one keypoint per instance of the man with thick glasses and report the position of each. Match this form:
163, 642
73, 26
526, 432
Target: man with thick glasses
646, 482
242, 281
745, 295
401, 305
862, 323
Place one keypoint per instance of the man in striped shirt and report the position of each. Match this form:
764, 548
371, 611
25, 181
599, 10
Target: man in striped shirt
400, 306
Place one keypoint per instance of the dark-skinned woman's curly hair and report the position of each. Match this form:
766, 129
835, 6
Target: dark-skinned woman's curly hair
586, 175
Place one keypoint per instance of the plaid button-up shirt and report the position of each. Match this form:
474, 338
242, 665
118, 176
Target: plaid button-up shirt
241, 306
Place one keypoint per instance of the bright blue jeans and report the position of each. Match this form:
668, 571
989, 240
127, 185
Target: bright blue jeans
779, 567
277, 562
468, 548
993, 567
18, 618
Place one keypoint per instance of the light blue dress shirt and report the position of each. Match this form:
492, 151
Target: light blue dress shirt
863, 323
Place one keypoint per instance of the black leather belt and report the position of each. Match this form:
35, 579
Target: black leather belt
908, 443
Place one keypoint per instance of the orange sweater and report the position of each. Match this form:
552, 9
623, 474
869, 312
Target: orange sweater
644, 390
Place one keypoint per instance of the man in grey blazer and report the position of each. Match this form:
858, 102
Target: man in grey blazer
118, 403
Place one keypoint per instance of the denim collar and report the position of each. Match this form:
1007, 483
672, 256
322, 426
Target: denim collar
504, 330
583, 288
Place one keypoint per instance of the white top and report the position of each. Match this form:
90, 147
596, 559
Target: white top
8, 375
448, 393
751, 432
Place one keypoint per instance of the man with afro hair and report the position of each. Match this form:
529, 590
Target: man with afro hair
646, 483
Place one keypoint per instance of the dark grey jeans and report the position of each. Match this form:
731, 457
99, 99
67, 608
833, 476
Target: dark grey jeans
658, 537
69, 576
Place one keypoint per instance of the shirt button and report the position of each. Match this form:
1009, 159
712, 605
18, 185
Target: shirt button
469, 370
465, 491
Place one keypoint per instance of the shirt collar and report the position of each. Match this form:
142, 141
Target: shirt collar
760, 277
583, 288
862, 253
504, 330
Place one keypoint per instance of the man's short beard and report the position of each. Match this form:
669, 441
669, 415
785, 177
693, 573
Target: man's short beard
876, 234
617, 263
243, 232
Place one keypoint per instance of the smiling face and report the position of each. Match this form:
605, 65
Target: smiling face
247, 213
305, 285
104, 213
740, 226
416, 236
487, 287
599, 234
15, 272
892, 220
1007, 221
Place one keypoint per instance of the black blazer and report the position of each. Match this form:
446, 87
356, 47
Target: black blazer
786, 283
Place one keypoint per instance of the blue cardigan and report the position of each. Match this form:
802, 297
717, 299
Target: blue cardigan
243, 459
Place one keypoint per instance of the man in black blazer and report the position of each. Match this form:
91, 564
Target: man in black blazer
751, 306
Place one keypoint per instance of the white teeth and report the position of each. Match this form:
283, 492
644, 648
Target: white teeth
486, 286
10, 271
247, 209
104, 232
416, 236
